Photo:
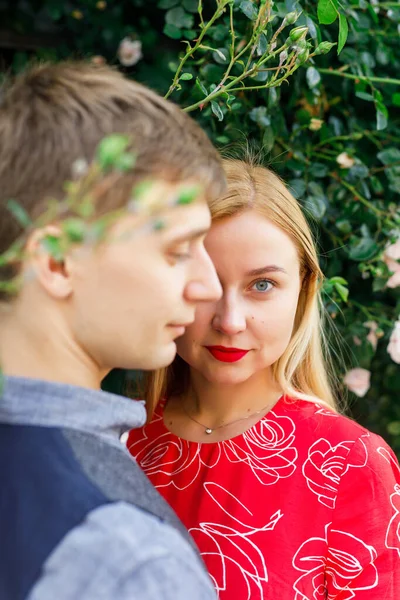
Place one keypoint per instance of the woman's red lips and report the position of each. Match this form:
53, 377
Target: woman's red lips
225, 354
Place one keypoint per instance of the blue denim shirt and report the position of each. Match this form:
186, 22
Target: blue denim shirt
78, 519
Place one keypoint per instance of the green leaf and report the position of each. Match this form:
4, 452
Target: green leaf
318, 170
186, 76
389, 155
172, 32
75, 229
363, 249
272, 97
222, 139
379, 284
381, 120
179, 18
372, 13
20, 214
365, 96
125, 162
327, 11
344, 226
219, 32
189, 34
201, 86
396, 99
221, 56
190, 5
249, 9
52, 245
215, 107
342, 291
188, 194
297, 187
212, 73
110, 149
167, 3
343, 32
315, 206
313, 77
262, 45
338, 279
259, 115
268, 139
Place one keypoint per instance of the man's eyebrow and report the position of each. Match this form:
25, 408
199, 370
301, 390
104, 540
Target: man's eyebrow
266, 269
189, 236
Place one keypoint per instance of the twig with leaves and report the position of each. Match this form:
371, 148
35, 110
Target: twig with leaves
75, 214
251, 55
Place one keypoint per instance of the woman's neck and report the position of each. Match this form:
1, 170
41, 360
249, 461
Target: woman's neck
215, 404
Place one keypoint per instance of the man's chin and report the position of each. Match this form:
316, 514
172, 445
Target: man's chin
159, 358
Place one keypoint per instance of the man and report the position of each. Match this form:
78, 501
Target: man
78, 520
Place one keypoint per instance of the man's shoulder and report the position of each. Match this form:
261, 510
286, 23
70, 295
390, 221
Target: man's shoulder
76, 509
44, 494
121, 551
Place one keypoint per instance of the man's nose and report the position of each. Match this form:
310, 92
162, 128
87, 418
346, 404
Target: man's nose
204, 286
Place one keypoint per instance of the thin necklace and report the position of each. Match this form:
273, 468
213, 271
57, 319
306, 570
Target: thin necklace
208, 430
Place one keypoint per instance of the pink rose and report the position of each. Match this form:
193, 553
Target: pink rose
345, 161
372, 337
394, 343
315, 124
129, 52
358, 381
390, 257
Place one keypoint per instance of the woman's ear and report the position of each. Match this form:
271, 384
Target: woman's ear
45, 262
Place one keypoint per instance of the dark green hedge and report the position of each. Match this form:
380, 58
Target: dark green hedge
332, 131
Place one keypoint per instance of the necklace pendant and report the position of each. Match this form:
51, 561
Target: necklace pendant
208, 430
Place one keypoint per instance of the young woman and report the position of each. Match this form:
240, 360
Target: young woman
285, 497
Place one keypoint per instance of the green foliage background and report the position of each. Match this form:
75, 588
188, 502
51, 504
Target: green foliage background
333, 104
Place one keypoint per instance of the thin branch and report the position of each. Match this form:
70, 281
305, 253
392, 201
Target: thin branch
357, 195
193, 49
360, 77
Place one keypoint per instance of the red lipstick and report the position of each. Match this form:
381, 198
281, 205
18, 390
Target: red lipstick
225, 354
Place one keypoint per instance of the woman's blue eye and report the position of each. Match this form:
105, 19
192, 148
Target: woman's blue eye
263, 285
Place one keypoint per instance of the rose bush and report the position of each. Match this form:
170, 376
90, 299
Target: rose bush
332, 131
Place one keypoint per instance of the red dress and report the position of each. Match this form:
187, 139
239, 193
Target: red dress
305, 505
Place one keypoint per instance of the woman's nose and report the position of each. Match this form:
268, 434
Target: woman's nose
229, 317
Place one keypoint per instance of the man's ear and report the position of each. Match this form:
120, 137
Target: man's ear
45, 262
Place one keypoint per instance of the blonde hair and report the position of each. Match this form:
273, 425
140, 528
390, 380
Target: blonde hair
302, 370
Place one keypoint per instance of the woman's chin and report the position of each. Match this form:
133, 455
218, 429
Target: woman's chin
228, 375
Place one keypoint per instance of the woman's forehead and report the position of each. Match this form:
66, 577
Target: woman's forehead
250, 241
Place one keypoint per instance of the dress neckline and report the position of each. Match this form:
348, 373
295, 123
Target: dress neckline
159, 412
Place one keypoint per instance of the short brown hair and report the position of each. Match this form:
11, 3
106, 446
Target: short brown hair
54, 114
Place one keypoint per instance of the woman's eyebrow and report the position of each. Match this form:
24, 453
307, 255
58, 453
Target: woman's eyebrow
266, 269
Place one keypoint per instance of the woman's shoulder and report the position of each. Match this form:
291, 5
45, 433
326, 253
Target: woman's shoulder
316, 419
331, 444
